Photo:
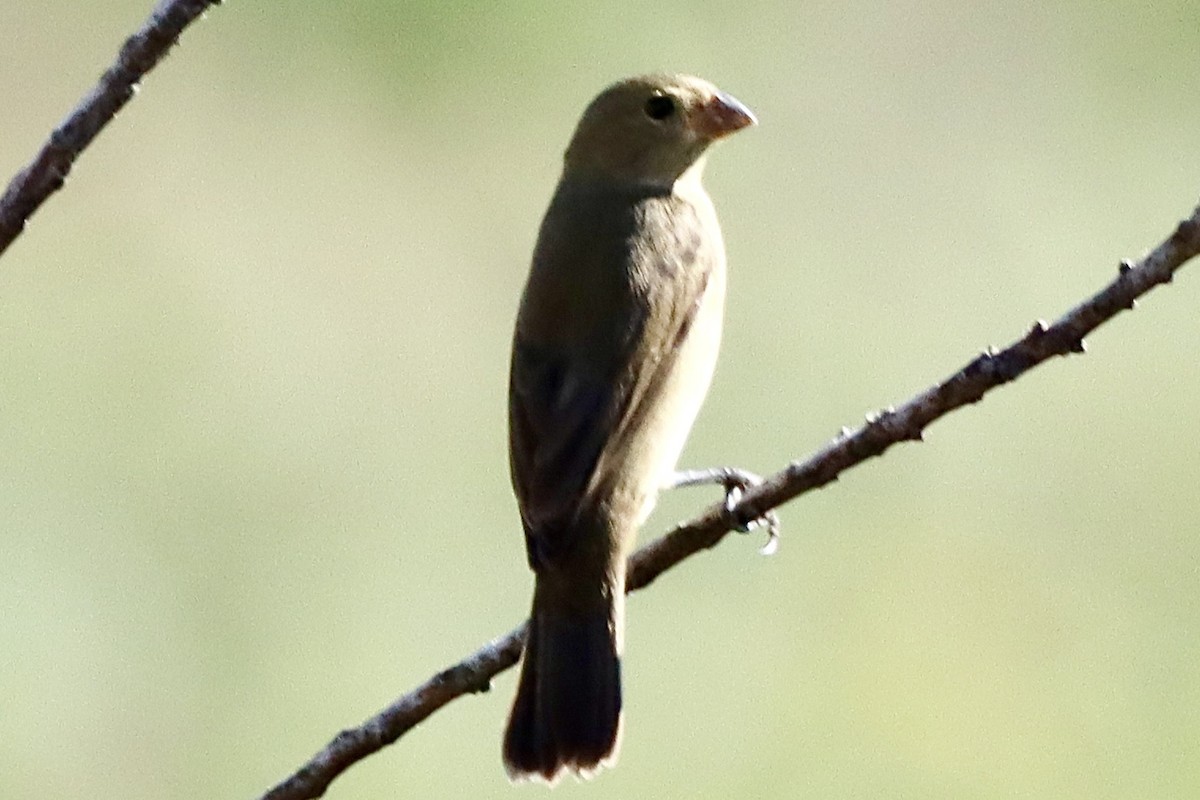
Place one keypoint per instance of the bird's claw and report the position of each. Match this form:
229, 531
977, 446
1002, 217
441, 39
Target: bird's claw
735, 482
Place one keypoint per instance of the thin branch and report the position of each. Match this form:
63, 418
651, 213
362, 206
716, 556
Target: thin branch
142, 51
48, 171
882, 430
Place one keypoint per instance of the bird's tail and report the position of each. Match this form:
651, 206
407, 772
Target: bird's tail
567, 713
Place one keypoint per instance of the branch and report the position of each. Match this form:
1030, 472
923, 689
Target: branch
883, 429
48, 171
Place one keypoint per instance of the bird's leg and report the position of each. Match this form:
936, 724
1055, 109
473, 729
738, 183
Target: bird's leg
736, 481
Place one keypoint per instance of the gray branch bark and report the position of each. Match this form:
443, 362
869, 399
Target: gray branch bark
48, 171
985, 372
145, 48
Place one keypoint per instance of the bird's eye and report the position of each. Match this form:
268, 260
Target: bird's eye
659, 107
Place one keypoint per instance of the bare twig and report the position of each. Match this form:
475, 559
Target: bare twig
48, 170
882, 430
144, 49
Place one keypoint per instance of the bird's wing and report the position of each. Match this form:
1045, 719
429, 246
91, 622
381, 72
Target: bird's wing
569, 410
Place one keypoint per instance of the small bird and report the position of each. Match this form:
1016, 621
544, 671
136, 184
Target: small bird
615, 344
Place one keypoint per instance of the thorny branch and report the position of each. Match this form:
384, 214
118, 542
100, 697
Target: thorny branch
145, 48
48, 171
883, 429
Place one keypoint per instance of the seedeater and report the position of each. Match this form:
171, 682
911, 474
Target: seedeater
616, 339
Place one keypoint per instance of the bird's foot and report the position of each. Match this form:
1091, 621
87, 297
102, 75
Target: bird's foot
735, 481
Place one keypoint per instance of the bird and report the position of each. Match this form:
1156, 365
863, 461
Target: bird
614, 347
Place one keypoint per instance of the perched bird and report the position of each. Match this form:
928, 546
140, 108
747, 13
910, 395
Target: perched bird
616, 339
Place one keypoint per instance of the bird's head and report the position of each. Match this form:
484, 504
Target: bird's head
652, 129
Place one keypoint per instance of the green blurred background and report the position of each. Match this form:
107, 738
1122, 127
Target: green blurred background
254, 482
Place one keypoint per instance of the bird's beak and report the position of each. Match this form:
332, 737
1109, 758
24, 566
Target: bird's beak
722, 115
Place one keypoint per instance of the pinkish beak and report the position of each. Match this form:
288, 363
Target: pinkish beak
723, 115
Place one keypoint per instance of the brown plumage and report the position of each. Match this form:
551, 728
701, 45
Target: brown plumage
615, 344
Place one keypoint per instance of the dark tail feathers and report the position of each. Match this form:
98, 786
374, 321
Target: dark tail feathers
567, 714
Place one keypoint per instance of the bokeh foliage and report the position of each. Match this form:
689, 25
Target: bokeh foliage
253, 362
